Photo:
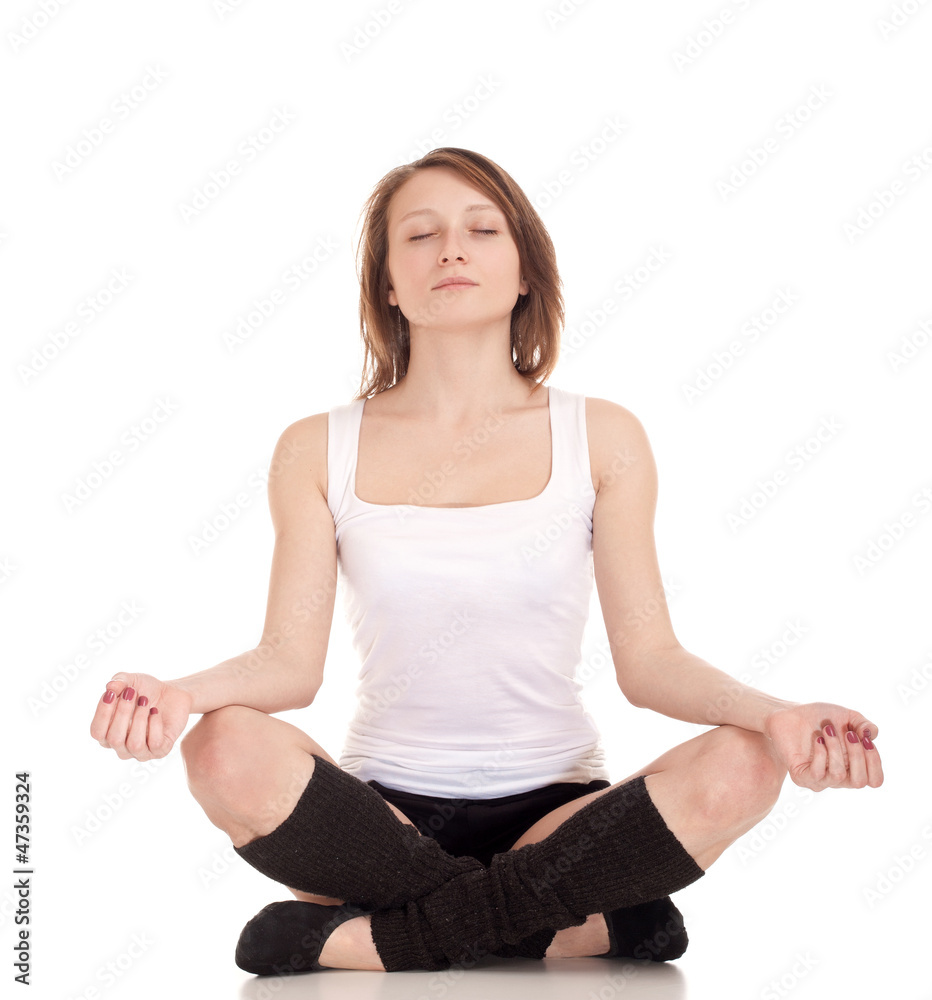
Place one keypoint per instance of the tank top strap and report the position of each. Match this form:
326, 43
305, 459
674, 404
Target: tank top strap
571, 465
342, 438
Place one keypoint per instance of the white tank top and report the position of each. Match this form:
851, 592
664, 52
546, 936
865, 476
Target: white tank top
468, 623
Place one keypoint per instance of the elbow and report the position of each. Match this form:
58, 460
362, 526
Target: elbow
632, 696
304, 697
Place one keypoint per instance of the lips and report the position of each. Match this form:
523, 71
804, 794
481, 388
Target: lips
454, 281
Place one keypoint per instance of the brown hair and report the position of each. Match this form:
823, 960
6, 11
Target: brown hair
537, 318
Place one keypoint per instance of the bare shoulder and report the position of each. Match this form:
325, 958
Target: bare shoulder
617, 440
299, 461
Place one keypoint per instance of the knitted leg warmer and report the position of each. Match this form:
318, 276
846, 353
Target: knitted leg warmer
343, 840
615, 852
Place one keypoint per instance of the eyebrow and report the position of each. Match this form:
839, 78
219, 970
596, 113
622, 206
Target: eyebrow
430, 211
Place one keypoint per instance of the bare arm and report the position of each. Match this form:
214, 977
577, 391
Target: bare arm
285, 669
821, 744
141, 716
654, 671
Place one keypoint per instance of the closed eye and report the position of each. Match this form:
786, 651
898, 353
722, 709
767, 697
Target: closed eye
492, 232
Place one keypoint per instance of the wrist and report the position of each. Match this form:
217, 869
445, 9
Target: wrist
194, 691
779, 705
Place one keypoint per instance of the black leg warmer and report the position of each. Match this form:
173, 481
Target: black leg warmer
615, 852
342, 840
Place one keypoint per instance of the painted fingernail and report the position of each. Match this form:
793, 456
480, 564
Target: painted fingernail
820, 740
108, 697
153, 711
867, 743
852, 737
143, 701
128, 694
830, 730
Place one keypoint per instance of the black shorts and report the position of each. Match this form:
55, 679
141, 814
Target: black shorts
481, 828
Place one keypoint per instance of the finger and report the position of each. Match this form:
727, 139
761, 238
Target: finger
857, 766
837, 770
136, 742
819, 764
156, 734
102, 716
119, 724
872, 761
860, 724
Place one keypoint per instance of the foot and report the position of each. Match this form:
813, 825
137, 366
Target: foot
350, 946
590, 938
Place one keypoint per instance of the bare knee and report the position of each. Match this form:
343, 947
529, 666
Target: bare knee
212, 748
746, 777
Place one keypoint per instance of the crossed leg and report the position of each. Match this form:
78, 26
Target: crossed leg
248, 769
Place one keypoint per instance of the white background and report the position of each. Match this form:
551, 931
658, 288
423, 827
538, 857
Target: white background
121, 851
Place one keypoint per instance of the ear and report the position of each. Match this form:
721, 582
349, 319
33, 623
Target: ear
523, 287
392, 297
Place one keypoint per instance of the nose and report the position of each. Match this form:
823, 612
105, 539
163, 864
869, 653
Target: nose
446, 254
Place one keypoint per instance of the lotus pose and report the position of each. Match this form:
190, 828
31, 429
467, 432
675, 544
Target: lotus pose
469, 506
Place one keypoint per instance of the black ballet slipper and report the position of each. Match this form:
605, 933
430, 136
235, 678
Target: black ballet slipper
287, 937
654, 931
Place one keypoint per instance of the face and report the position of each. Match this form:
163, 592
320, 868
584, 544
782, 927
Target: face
440, 227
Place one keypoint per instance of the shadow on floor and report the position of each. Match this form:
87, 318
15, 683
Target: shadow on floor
490, 979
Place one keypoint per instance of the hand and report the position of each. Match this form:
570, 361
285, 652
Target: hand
147, 723
836, 762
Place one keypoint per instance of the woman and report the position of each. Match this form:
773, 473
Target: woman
471, 510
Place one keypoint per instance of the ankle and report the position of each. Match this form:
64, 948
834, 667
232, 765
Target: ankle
590, 938
350, 946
